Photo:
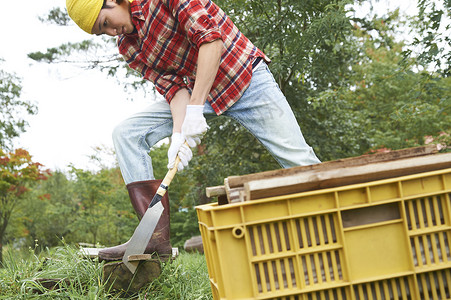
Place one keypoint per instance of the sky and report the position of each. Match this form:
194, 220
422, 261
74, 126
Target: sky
78, 109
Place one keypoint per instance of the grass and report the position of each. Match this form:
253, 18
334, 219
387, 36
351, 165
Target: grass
184, 278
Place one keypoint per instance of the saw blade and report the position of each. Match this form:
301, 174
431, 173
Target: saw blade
142, 234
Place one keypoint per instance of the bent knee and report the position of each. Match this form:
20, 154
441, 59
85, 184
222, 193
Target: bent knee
121, 131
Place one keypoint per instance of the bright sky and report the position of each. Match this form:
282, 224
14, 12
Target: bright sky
78, 109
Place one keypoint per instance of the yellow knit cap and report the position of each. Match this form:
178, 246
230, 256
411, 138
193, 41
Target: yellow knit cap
84, 12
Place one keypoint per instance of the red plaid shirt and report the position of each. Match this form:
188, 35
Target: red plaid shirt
165, 46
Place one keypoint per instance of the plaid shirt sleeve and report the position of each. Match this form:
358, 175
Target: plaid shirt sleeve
194, 19
166, 84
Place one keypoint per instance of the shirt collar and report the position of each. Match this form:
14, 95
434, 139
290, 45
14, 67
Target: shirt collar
136, 10
137, 16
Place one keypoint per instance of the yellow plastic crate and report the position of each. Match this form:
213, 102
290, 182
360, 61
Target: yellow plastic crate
381, 240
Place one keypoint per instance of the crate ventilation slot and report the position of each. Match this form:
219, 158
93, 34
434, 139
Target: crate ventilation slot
322, 267
430, 249
390, 289
275, 275
316, 231
425, 212
269, 238
435, 285
331, 294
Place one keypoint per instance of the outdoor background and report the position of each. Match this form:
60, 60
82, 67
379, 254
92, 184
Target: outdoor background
361, 77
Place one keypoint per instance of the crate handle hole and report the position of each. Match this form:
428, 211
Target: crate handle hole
370, 215
238, 232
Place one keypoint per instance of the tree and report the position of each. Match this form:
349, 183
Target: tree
49, 210
306, 40
13, 109
432, 29
18, 174
92, 193
81, 206
386, 101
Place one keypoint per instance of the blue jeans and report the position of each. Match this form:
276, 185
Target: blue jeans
263, 110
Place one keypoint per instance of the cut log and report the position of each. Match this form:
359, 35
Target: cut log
219, 192
215, 191
118, 277
194, 244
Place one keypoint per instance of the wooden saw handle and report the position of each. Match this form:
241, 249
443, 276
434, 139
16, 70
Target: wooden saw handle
162, 189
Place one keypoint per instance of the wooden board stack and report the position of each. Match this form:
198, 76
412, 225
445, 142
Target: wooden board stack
330, 174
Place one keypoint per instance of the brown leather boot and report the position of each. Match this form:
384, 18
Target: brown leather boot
141, 194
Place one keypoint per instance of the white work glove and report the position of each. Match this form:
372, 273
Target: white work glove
179, 148
194, 126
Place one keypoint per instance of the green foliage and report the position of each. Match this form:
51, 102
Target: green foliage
311, 49
186, 278
91, 192
56, 53
94, 207
100, 206
386, 101
276, 25
432, 26
83, 206
307, 40
183, 226
47, 215
18, 173
13, 109
56, 16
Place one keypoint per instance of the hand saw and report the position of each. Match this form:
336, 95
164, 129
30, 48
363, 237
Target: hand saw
146, 227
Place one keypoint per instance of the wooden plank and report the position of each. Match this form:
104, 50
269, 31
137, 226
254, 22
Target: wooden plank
239, 181
236, 195
320, 179
138, 257
233, 194
215, 191
90, 252
219, 192
227, 188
